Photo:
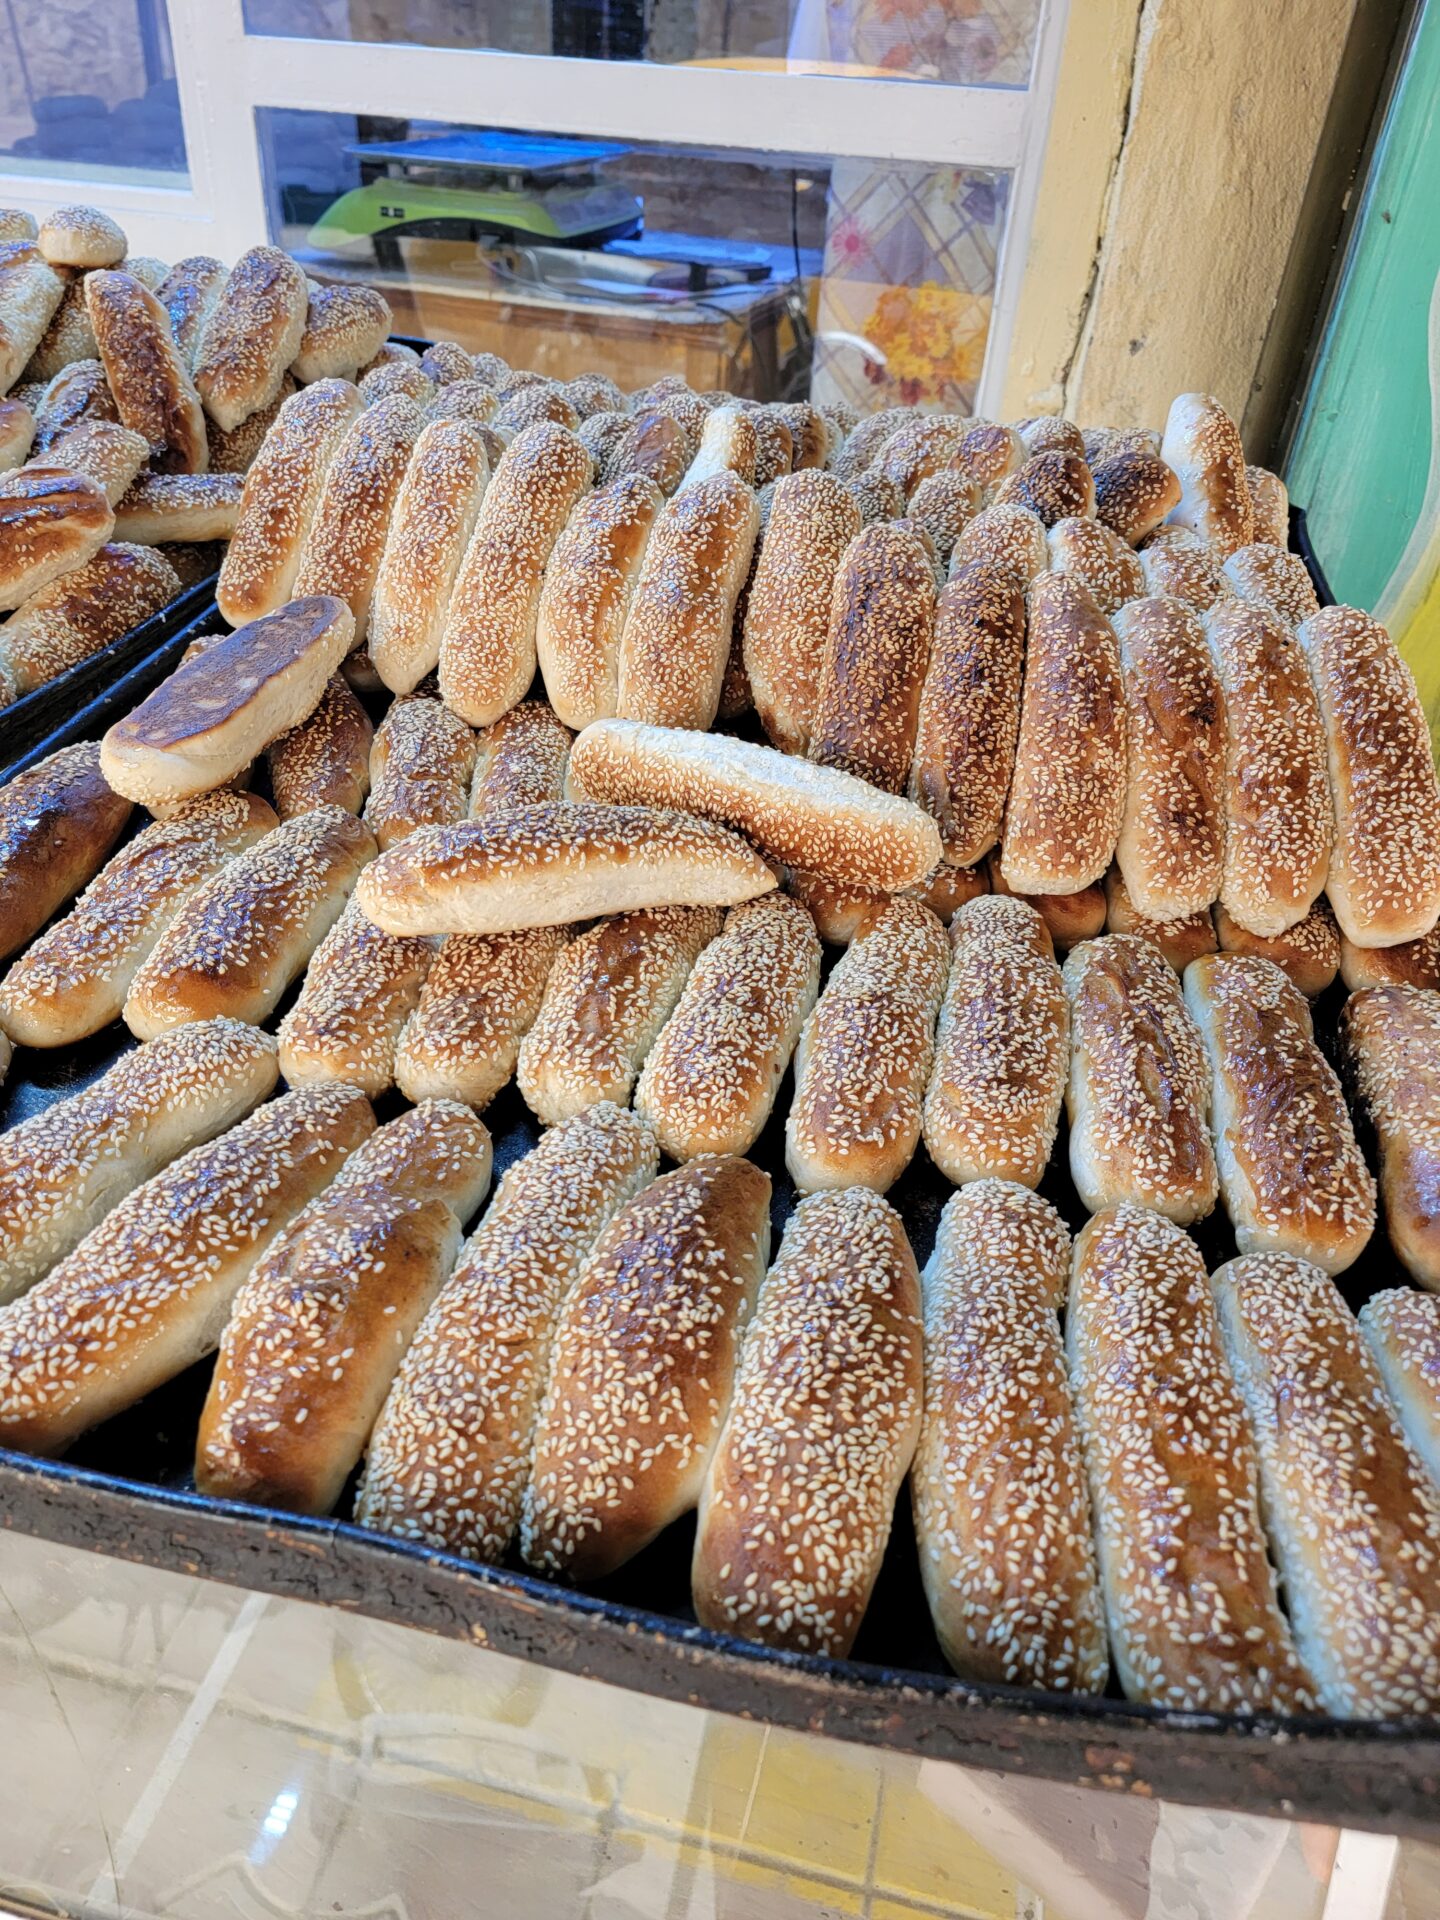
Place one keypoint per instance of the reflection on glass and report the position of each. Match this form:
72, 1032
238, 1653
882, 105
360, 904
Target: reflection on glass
89, 89
767, 275
957, 42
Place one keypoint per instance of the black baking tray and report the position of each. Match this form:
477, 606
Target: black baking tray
127, 1490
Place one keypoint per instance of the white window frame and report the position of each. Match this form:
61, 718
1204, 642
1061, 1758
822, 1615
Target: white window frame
224, 74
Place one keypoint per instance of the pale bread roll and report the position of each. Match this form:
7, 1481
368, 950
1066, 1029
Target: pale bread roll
147, 372
1181, 941
188, 293
58, 821
520, 761
480, 998
1402, 1329
116, 590
106, 452
590, 581
251, 335
17, 434
345, 327
325, 761
30, 293
398, 380
435, 514
360, 988
729, 443
147, 1292
1202, 445
69, 336
420, 767
1180, 566
236, 452
1264, 575
51, 521
179, 506
1002, 1510
798, 1501
81, 236
1308, 954
450, 1454
1389, 1045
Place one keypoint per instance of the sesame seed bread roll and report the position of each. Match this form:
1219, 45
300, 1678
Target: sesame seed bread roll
1069, 917
67, 338
105, 452
1134, 492
318, 1330
1291, 1174
17, 434
279, 499
607, 997
51, 521
394, 354
468, 400
815, 818
450, 1455
729, 443
798, 1500
1264, 575
179, 506
1180, 941
1270, 505
864, 1055
15, 224
435, 512
1048, 433
346, 540
528, 406
345, 327
74, 979
147, 1293
1178, 565
1279, 819
251, 335
360, 988
553, 864
1010, 537
30, 294
1190, 1596
1053, 486
325, 761
1099, 559
812, 521
421, 764
398, 380
1384, 877
1402, 1330
1202, 445
654, 445
988, 454
676, 637
1389, 1043
590, 581
147, 372
1415, 964
1171, 849
944, 504
876, 498
775, 446
1308, 954
1002, 1510
487, 649
75, 616
593, 393
63, 1170
235, 946
235, 452
1068, 789
840, 913
970, 710
520, 760
222, 706
1138, 1093
58, 821
1353, 1517
861, 447
877, 647
709, 1082
480, 998
188, 294
922, 445
992, 1104
642, 1365
81, 237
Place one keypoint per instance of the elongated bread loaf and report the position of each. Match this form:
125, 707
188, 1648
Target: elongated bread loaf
67, 338
188, 293
58, 821
1264, 575
1190, 1595
1138, 1094
450, 1455
1384, 878
480, 998
654, 445
1402, 1329
815, 818
236, 452
1415, 964
729, 443
520, 760
841, 913
147, 1292
1178, 565
1009, 537
360, 988
1134, 491
864, 1055
105, 452
1202, 445
420, 767
78, 393
1067, 793
1308, 954
63, 1170
346, 540
147, 372
251, 335
1293, 1178
1353, 1516
1279, 821
51, 521
345, 327
178, 506
487, 650
1270, 502
279, 499
921, 445
1171, 850
398, 380
74, 979
676, 637
988, 454
710, 1080
235, 946
221, 707
608, 995
30, 294
1001, 1050
1099, 559
1180, 941
325, 761
970, 710
1002, 1510
1390, 1051
798, 1500
116, 590
641, 1367
1052, 485
554, 864
17, 434
861, 446
435, 513
1070, 917
318, 1330
590, 581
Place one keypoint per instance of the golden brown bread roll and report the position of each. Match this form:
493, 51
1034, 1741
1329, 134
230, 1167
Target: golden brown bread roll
1270, 505
920, 446
520, 761
1069, 917
188, 293
420, 767
1190, 1595
17, 434
1179, 565
480, 998
345, 327
51, 521
1389, 1044
590, 582
83, 611
529, 406
1052, 486
81, 236
1202, 446
1049, 433
1353, 1517
774, 446
655, 445
1308, 954
30, 293
360, 988
179, 506
798, 1500
1415, 964
1134, 492
1264, 575
593, 393
876, 497
106, 452
1098, 559
728, 444
251, 335
1002, 1511
235, 452
863, 443
325, 761
944, 504
398, 380
641, 1367
146, 371
468, 400
58, 821
1181, 941
1402, 1330
1011, 537
68, 337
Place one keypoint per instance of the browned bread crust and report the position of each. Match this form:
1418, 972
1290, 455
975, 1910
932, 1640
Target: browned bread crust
1390, 1052
251, 335
325, 761
420, 766
590, 583
58, 821
51, 521
480, 998
147, 372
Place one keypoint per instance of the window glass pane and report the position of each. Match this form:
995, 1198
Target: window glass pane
969, 42
87, 88
764, 274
